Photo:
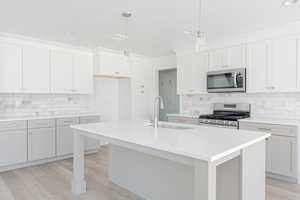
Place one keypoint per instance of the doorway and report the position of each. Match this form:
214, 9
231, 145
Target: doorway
167, 80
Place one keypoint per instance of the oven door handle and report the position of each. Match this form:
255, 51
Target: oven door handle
235, 85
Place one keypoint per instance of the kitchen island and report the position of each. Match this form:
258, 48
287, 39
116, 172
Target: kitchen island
177, 161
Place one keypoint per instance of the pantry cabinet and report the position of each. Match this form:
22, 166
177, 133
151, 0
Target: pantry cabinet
191, 73
10, 68
112, 64
35, 70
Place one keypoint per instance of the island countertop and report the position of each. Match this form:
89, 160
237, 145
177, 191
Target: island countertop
199, 142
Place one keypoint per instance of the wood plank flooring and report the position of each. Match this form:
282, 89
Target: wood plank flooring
52, 182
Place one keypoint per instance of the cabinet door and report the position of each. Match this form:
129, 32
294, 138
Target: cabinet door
200, 72
13, 147
236, 56
64, 140
283, 67
61, 72
83, 73
10, 68
90, 144
41, 143
280, 157
218, 60
258, 60
185, 69
112, 64
36, 70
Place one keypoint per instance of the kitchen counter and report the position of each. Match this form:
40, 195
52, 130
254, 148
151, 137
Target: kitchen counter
20, 118
140, 149
287, 122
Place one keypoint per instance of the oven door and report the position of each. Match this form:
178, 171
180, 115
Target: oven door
227, 81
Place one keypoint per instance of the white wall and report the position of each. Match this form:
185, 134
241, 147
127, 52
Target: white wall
106, 98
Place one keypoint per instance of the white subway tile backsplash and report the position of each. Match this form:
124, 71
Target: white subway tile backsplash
277, 105
12, 105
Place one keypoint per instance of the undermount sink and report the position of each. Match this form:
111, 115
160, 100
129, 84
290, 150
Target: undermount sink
171, 126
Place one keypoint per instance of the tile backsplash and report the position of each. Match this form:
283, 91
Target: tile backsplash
279, 106
14, 105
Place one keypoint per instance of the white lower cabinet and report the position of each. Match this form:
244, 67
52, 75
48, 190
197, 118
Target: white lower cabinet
64, 140
41, 143
13, 147
281, 153
281, 149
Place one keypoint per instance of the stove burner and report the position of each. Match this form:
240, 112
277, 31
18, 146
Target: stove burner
226, 117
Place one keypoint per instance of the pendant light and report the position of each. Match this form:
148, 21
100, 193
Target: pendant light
126, 16
200, 37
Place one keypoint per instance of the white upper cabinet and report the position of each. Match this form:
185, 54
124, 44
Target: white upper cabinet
83, 73
218, 60
257, 70
36, 70
192, 70
283, 64
112, 64
61, 71
227, 58
272, 65
71, 72
10, 68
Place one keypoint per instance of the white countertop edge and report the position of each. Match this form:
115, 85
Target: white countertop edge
193, 156
287, 122
48, 117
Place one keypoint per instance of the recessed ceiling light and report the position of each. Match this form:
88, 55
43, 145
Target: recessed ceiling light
289, 2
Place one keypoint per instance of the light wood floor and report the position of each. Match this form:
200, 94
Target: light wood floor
52, 182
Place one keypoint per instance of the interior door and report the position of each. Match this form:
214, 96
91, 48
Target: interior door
167, 90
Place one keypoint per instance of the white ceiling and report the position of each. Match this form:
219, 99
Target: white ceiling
155, 28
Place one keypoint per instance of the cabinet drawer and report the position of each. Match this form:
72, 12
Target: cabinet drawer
89, 119
67, 121
274, 129
41, 123
13, 125
183, 120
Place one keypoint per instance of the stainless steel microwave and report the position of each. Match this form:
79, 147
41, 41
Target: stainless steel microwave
231, 80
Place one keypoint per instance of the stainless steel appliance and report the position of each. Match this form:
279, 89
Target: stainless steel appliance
233, 80
226, 115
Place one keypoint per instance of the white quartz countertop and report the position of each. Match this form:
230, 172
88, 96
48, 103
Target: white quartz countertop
201, 142
20, 118
183, 115
288, 122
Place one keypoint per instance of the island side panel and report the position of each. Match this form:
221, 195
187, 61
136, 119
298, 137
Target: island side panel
160, 179
78, 181
253, 172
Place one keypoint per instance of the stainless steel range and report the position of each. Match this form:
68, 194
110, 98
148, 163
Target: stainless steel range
226, 115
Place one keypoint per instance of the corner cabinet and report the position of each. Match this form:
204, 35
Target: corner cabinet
191, 73
71, 72
111, 64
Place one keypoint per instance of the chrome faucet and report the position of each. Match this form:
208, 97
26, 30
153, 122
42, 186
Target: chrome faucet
158, 103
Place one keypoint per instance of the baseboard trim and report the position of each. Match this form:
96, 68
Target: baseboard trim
282, 178
40, 162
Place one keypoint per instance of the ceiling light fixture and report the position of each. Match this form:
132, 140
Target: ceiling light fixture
289, 2
125, 37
